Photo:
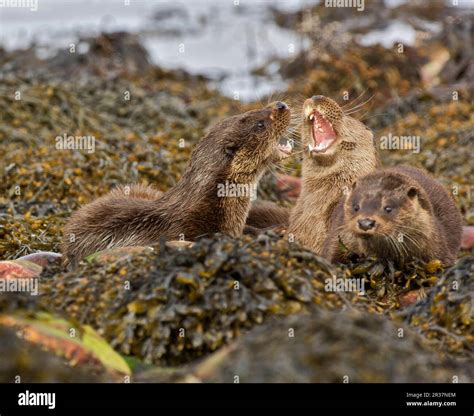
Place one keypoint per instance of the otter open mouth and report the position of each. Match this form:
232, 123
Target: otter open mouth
322, 133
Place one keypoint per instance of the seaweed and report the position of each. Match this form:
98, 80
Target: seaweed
445, 317
172, 305
323, 347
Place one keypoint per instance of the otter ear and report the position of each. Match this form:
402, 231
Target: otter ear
412, 192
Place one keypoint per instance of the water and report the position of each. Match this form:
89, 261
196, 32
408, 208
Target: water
218, 38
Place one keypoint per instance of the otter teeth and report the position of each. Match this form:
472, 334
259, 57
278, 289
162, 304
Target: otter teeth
311, 117
320, 146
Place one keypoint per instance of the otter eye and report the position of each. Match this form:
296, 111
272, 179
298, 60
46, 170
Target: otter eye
356, 207
260, 125
388, 208
230, 150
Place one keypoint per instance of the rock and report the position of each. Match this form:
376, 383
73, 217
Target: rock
172, 305
42, 258
411, 297
24, 362
29, 266
116, 254
108, 55
19, 269
78, 345
467, 237
445, 317
324, 347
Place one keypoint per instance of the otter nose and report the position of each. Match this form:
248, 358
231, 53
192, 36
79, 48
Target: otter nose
317, 97
366, 224
280, 105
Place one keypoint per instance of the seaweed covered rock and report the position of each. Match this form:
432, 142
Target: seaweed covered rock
75, 344
25, 362
389, 287
173, 305
122, 131
324, 346
107, 55
442, 122
446, 316
27, 266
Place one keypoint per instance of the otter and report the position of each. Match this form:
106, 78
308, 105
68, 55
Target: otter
339, 149
234, 154
400, 214
266, 215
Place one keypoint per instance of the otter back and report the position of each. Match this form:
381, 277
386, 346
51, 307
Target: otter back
213, 195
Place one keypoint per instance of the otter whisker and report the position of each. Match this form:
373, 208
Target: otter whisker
372, 116
415, 242
358, 107
355, 99
361, 103
294, 139
298, 152
419, 232
282, 168
397, 246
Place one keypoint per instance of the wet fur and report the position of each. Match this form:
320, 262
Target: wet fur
265, 214
236, 150
326, 177
426, 219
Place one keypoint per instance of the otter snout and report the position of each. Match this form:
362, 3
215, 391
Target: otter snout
278, 108
366, 224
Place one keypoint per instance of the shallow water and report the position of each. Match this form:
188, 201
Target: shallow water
219, 39
222, 39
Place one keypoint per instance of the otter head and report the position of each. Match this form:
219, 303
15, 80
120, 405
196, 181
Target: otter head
328, 133
240, 147
389, 212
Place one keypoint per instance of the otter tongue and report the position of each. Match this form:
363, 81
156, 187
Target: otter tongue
323, 133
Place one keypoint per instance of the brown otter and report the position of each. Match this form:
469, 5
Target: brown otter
266, 214
230, 158
339, 150
398, 214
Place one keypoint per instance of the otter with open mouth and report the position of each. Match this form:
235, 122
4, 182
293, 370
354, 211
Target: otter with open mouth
398, 214
235, 152
338, 150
